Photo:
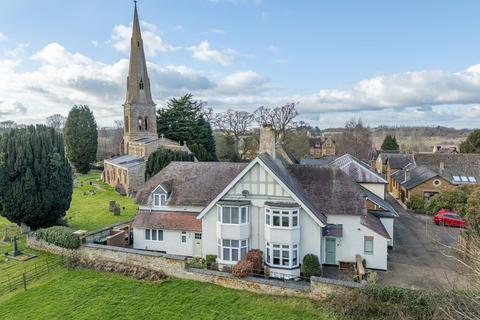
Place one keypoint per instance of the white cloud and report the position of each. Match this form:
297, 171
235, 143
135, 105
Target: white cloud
3, 37
242, 82
153, 43
18, 50
203, 52
11, 107
95, 43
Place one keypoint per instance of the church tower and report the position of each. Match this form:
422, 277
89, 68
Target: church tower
139, 108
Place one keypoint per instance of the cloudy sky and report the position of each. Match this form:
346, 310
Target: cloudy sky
388, 62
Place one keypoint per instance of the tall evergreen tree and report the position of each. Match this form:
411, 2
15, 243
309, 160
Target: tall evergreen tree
161, 158
182, 120
390, 143
472, 143
81, 138
35, 176
200, 152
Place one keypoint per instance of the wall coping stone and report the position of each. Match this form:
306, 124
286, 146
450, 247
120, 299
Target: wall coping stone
135, 251
91, 233
300, 285
343, 283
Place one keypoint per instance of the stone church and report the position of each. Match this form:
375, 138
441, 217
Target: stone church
140, 139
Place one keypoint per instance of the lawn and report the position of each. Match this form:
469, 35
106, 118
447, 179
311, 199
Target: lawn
88, 294
89, 206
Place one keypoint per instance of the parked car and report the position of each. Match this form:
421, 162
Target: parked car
448, 218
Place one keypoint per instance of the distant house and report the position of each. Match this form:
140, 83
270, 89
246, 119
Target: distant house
442, 148
321, 147
389, 163
432, 173
285, 209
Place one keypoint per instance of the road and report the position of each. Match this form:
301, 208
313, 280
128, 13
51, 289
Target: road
422, 256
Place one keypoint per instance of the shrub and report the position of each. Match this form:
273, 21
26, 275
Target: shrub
266, 272
198, 262
243, 268
211, 259
255, 256
416, 203
59, 236
311, 266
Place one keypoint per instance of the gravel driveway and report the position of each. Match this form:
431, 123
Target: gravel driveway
420, 257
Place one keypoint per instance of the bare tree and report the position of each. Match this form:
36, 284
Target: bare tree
208, 115
281, 118
56, 121
234, 123
356, 139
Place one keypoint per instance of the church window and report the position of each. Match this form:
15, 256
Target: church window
146, 124
140, 84
140, 123
138, 44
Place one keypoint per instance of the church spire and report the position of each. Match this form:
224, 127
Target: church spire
138, 83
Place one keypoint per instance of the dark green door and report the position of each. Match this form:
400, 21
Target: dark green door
330, 246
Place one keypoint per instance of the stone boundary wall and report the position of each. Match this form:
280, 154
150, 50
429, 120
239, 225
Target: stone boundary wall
103, 232
175, 266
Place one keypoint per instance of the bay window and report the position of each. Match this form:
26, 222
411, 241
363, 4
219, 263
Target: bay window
232, 215
282, 255
232, 250
284, 218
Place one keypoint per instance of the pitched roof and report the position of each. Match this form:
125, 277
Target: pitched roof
192, 183
125, 161
323, 161
418, 175
379, 201
357, 169
398, 161
328, 189
373, 223
168, 220
454, 164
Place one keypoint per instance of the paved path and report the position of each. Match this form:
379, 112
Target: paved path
421, 257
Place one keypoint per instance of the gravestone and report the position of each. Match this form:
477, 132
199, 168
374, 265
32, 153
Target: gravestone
15, 252
112, 205
116, 211
5, 237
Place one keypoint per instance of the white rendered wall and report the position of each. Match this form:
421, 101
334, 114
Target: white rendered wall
376, 188
353, 239
171, 243
388, 224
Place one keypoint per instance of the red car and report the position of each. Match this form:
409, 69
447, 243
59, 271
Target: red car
447, 218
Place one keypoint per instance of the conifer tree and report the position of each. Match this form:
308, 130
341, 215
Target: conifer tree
35, 176
161, 158
390, 143
182, 120
81, 138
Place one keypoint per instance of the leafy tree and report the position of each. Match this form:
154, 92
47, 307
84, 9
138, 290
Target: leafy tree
226, 148
390, 143
81, 138
472, 143
200, 152
455, 200
472, 211
161, 158
183, 120
35, 176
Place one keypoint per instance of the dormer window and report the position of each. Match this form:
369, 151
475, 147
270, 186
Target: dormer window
140, 84
159, 200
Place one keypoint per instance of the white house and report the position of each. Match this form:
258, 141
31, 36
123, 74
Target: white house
286, 210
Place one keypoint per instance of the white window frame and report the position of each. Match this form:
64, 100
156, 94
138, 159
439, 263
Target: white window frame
282, 215
160, 198
242, 212
150, 233
368, 239
228, 245
288, 253
183, 237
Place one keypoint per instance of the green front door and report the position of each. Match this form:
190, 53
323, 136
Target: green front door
330, 246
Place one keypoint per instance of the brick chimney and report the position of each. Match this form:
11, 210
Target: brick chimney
267, 140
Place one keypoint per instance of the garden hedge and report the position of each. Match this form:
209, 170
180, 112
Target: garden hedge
59, 236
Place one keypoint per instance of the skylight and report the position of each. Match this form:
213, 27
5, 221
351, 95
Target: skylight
464, 178
456, 178
472, 179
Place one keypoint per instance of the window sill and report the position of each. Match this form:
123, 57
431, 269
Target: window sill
233, 224
281, 267
231, 263
368, 253
160, 241
282, 228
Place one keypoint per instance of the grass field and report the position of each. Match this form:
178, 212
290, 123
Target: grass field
90, 211
87, 294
